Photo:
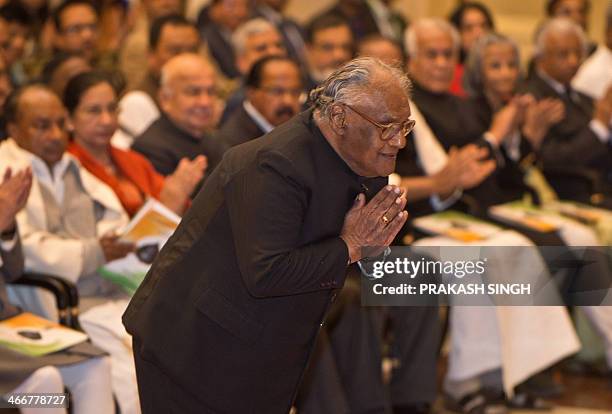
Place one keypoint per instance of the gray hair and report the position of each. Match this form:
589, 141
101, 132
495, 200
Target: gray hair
558, 25
250, 28
431, 23
347, 83
473, 75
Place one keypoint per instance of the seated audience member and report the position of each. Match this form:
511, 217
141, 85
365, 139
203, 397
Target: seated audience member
91, 102
370, 17
61, 68
293, 37
217, 23
76, 28
18, 21
582, 137
68, 227
594, 76
492, 80
5, 90
273, 89
433, 53
169, 36
575, 10
252, 40
452, 122
433, 48
187, 99
133, 55
385, 49
472, 20
330, 44
83, 369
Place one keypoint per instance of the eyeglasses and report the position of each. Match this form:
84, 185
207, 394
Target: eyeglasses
387, 131
76, 29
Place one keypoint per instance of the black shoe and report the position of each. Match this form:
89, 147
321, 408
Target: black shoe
421, 408
542, 385
524, 401
479, 402
575, 366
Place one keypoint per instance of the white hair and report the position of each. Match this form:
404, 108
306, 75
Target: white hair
250, 28
558, 25
179, 65
427, 24
347, 84
473, 76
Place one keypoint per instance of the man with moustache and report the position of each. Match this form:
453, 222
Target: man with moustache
273, 89
329, 45
227, 317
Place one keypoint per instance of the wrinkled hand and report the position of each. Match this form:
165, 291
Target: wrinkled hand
447, 179
603, 108
505, 121
539, 117
189, 173
375, 224
14, 192
474, 166
465, 168
114, 248
181, 183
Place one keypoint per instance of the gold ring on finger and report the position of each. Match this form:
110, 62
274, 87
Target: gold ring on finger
385, 219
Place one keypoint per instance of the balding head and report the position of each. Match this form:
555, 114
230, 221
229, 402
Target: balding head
188, 93
560, 48
433, 50
36, 120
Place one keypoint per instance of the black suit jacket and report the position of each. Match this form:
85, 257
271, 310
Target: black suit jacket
453, 122
219, 44
10, 269
164, 144
230, 308
571, 141
292, 33
238, 128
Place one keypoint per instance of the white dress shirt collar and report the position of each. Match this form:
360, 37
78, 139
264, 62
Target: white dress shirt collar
257, 117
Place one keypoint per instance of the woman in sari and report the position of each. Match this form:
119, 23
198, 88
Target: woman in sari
91, 101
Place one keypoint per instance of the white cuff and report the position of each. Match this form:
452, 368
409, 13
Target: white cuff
599, 129
7, 245
440, 205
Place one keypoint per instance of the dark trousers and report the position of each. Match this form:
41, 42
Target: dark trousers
159, 394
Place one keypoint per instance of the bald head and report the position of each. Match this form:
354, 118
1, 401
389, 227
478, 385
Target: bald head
36, 120
188, 93
183, 66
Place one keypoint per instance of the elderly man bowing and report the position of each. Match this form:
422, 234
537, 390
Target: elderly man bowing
226, 318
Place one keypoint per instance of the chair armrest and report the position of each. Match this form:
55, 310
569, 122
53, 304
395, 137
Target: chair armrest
54, 285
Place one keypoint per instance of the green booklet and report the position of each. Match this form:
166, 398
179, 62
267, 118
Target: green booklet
149, 230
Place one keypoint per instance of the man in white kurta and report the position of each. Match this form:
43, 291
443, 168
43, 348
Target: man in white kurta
65, 227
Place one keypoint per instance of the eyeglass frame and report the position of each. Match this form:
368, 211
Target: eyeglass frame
384, 127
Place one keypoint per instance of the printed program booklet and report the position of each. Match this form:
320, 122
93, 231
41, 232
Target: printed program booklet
35, 336
456, 225
149, 230
527, 216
